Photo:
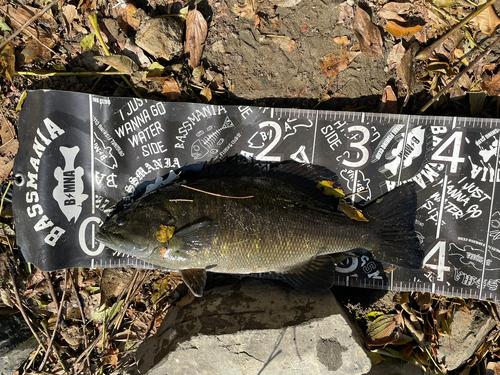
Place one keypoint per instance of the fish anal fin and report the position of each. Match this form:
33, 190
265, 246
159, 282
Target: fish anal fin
315, 275
195, 279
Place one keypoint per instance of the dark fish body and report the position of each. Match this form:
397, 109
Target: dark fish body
237, 217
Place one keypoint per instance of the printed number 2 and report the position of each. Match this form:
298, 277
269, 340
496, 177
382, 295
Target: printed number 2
456, 141
439, 247
277, 136
359, 146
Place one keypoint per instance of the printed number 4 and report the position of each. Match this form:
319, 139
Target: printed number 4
455, 140
439, 247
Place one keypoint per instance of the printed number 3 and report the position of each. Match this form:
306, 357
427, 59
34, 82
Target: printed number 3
360, 146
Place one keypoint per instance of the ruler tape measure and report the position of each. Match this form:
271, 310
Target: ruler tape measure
84, 153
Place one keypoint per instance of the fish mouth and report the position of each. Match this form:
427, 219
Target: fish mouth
104, 238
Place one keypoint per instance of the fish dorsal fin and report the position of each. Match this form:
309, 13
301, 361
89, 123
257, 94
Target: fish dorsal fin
196, 237
195, 279
236, 165
303, 176
306, 176
315, 275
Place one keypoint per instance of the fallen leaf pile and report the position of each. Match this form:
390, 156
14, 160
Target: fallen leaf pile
413, 331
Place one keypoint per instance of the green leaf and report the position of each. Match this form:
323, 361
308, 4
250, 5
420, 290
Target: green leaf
4, 27
21, 101
155, 69
374, 315
105, 313
88, 42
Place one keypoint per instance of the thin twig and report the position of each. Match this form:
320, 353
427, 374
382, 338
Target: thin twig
59, 312
427, 52
21, 307
127, 300
214, 194
458, 76
30, 21
52, 74
80, 306
52, 290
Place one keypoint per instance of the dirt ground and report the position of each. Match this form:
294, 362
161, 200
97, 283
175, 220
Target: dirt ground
311, 54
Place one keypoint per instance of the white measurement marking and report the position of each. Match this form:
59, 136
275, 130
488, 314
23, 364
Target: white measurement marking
489, 221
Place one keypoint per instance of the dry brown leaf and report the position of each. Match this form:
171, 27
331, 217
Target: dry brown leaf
396, 54
399, 31
342, 40
121, 63
331, 65
369, 37
244, 9
69, 14
405, 70
346, 13
171, 89
196, 33
423, 299
352, 212
8, 149
491, 84
7, 62
206, 93
186, 300
488, 20
126, 18
493, 368
389, 102
393, 11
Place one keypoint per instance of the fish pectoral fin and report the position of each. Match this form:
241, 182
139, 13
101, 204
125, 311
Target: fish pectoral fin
195, 279
195, 237
315, 275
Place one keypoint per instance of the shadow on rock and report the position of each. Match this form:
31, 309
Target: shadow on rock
254, 327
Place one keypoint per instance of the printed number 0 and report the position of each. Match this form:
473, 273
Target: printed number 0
439, 248
277, 136
455, 138
358, 146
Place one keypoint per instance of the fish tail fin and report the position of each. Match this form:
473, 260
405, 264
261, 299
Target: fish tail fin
393, 219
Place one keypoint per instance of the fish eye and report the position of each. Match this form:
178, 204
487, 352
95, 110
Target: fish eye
196, 148
120, 222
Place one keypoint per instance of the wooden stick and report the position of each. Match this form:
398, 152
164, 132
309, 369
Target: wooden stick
427, 52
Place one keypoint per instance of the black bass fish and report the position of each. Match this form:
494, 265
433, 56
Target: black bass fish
241, 217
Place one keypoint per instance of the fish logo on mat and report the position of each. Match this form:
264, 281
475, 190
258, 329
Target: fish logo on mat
69, 191
202, 146
103, 153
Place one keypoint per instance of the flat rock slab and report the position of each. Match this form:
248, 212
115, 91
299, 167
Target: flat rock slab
468, 332
256, 327
160, 37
